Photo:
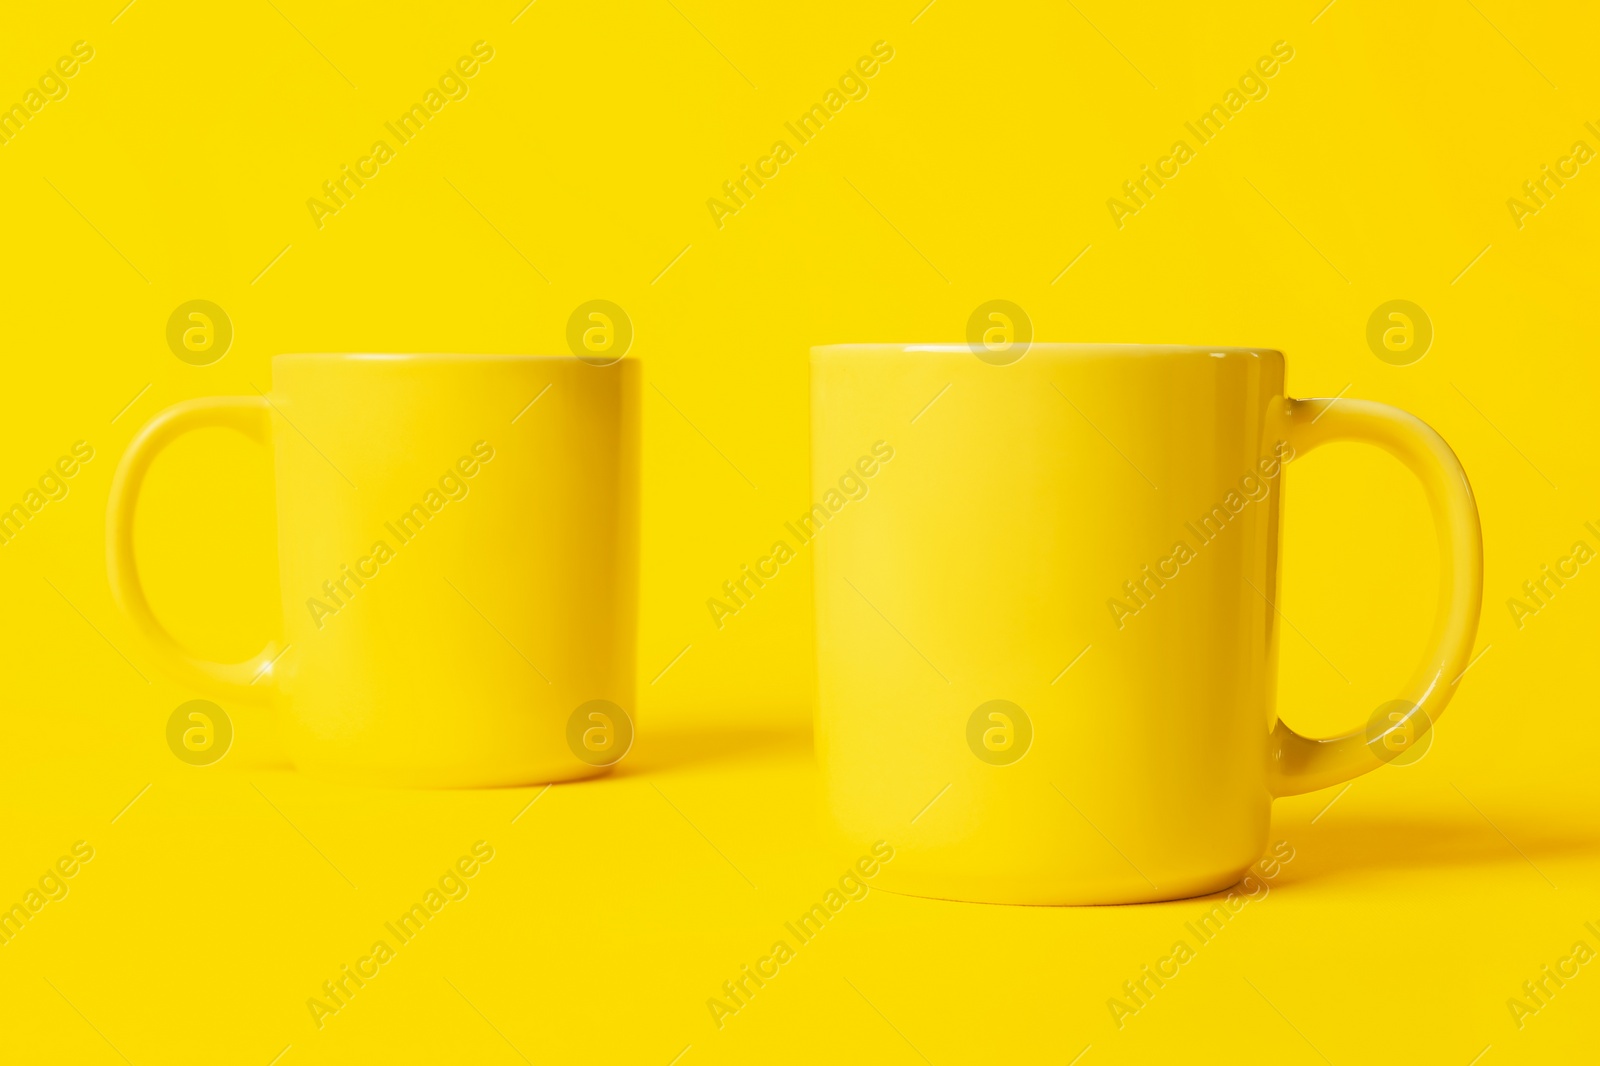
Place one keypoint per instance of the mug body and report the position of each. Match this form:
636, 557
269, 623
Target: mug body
1045, 632
457, 550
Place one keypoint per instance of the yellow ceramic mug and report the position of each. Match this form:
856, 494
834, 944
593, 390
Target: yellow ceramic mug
457, 559
1046, 632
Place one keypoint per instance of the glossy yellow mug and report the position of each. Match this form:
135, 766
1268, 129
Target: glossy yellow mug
1045, 623
457, 546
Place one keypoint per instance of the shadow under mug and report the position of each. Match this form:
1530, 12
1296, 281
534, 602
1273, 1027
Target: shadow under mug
1047, 626
457, 559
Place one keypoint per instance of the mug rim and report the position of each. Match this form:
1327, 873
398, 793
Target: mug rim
1046, 347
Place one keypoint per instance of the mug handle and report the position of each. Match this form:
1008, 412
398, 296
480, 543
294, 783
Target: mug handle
1302, 764
250, 416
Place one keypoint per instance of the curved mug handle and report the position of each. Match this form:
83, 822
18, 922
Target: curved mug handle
1302, 764
249, 680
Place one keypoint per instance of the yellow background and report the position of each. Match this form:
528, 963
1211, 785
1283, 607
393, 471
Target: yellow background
978, 167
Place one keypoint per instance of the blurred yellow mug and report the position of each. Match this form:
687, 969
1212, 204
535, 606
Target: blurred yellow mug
457, 546
1046, 626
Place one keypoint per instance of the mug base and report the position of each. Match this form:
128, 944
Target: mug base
1035, 891
448, 777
